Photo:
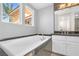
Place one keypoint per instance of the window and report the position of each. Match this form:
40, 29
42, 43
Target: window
17, 14
11, 12
29, 14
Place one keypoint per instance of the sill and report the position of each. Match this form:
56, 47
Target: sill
29, 25
11, 23
17, 24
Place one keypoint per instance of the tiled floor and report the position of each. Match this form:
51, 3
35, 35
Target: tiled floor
46, 53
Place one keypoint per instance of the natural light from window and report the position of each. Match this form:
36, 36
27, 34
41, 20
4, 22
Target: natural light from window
28, 15
11, 13
17, 13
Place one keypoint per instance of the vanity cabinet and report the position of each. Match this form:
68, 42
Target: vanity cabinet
59, 44
72, 46
66, 23
67, 45
72, 49
59, 47
57, 37
73, 39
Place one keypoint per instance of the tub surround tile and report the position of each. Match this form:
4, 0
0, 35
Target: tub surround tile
11, 38
45, 34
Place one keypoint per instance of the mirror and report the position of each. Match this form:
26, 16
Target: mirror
67, 20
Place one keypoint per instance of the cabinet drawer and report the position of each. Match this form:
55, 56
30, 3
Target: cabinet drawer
59, 38
73, 39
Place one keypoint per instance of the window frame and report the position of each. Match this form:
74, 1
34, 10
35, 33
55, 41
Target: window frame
22, 14
10, 22
32, 10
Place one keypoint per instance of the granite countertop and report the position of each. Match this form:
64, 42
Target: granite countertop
67, 34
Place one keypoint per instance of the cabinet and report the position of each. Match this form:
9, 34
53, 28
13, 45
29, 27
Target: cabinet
58, 44
59, 47
72, 49
57, 37
72, 46
66, 45
72, 39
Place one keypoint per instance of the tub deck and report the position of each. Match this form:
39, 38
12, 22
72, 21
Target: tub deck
20, 47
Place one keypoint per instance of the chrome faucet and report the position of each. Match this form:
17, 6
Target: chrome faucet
42, 38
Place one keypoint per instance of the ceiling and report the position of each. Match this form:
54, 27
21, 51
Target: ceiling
40, 5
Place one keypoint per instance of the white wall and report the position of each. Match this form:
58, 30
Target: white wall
12, 30
43, 24
45, 20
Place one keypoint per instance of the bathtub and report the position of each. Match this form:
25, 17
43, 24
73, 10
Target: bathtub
22, 46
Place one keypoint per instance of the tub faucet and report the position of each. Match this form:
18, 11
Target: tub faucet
42, 37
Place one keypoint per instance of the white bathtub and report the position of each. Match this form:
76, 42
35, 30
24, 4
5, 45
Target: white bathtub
22, 46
